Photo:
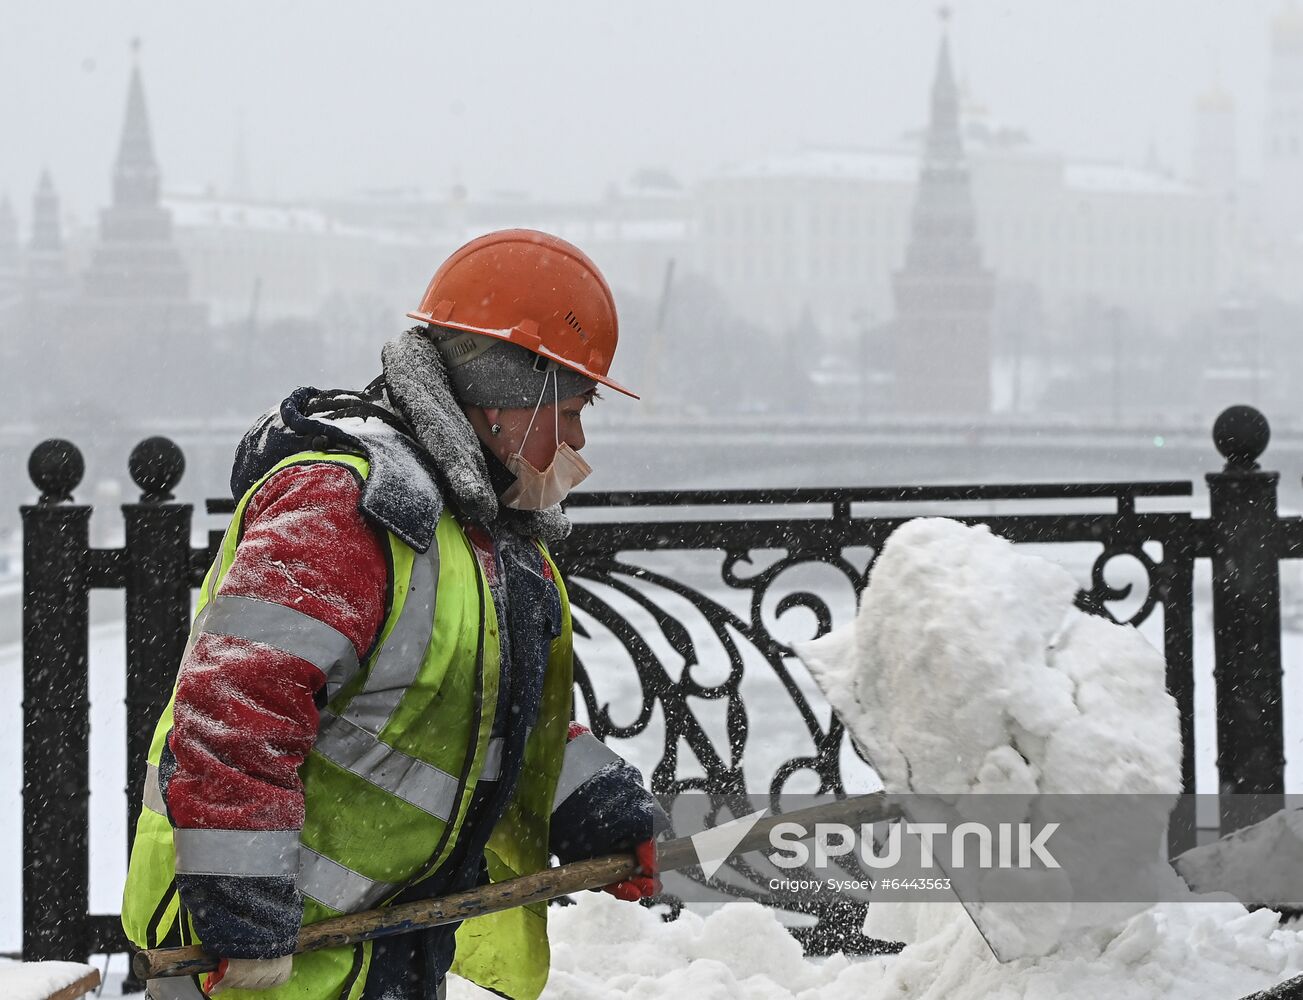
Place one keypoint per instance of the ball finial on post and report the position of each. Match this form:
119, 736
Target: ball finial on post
156, 466
56, 468
1241, 435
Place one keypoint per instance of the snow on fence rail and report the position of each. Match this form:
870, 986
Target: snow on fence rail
682, 604
47, 980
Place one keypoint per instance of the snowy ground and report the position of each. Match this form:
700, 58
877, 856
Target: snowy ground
604, 949
775, 961
607, 950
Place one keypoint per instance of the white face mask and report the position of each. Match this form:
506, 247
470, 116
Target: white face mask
534, 490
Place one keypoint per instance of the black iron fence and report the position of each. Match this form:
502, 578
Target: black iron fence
624, 602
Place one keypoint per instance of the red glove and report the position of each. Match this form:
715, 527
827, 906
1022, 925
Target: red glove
213, 978
645, 883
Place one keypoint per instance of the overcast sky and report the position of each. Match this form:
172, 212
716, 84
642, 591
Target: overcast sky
562, 98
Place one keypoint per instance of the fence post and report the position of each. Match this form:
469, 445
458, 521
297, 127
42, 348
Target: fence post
1245, 535
56, 709
158, 600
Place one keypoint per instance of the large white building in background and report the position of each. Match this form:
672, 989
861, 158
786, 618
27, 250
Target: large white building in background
827, 229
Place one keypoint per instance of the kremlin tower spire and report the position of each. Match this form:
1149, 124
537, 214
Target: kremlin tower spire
944, 295
46, 266
136, 265
136, 292
135, 173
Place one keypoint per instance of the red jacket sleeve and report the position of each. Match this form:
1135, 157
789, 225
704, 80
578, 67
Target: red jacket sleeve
246, 709
246, 713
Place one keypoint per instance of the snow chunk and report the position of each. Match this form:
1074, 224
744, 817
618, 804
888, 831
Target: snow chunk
969, 669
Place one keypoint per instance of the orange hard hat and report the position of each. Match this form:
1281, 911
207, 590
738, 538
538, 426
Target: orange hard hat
533, 290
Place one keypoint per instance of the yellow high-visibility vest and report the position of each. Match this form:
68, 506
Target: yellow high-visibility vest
404, 740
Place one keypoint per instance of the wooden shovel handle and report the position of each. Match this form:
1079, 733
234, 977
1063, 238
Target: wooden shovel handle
159, 963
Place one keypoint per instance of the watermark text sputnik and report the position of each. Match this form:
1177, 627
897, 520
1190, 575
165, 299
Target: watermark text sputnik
1011, 845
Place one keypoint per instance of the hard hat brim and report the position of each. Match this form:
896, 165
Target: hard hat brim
541, 351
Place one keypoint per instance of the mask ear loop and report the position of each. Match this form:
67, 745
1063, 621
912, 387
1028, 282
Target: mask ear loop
533, 416
556, 407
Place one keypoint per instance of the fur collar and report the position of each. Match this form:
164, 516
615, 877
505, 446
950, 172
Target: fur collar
420, 393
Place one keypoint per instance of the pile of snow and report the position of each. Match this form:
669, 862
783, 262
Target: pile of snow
968, 669
603, 949
40, 980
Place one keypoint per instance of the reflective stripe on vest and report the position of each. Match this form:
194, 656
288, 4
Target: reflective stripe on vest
334, 885
174, 988
493, 756
585, 756
399, 660
416, 782
286, 629
352, 740
237, 852
152, 799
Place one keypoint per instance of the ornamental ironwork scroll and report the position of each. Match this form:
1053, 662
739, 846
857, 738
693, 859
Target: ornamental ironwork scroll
702, 608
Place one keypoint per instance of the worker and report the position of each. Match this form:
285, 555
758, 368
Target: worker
374, 704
